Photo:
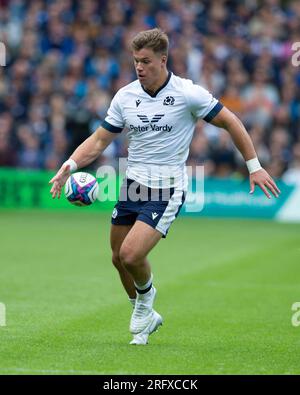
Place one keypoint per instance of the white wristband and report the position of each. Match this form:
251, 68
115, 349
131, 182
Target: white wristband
253, 165
72, 164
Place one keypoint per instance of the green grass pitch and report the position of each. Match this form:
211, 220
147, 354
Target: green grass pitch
225, 290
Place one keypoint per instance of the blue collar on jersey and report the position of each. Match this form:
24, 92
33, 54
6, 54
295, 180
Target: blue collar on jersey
159, 89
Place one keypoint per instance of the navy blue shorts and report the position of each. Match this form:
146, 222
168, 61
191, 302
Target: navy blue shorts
156, 207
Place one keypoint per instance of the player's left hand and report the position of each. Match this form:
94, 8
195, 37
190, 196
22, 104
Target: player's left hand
265, 182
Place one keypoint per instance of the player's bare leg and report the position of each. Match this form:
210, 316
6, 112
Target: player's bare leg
137, 244
117, 236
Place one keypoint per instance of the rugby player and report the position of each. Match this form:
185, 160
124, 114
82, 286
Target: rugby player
159, 111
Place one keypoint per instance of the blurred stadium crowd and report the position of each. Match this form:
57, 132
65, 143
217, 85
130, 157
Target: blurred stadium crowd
65, 60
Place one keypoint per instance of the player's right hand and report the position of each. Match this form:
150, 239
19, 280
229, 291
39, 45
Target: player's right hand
59, 180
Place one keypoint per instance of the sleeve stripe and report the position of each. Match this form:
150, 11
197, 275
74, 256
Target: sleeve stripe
111, 128
217, 108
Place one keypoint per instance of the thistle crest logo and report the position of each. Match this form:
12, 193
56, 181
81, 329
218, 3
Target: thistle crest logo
169, 101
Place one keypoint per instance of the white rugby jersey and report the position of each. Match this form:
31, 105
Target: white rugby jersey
160, 128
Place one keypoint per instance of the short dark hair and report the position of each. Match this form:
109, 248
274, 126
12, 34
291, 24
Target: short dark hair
154, 39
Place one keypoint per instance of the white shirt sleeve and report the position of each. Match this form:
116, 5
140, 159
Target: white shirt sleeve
201, 102
114, 121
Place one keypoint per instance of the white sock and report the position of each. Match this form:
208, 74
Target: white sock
142, 289
132, 301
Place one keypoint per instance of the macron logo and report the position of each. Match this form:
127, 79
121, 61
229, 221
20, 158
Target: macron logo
138, 102
154, 215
